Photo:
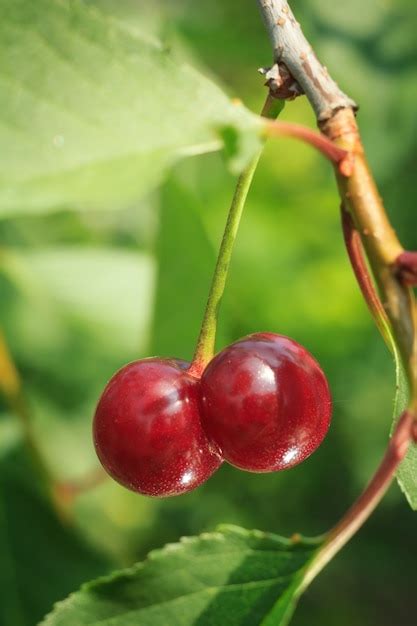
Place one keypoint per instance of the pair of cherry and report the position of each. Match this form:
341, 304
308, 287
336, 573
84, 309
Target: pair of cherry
262, 404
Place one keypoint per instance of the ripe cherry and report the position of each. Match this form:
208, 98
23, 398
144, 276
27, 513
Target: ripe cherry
147, 429
265, 402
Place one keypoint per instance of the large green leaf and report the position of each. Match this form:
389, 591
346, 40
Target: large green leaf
92, 113
107, 289
233, 577
41, 560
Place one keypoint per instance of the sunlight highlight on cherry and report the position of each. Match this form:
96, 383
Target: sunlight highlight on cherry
265, 402
147, 429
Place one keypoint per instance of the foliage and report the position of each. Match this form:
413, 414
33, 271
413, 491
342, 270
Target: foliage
84, 108
29, 531
83, 292
231, 576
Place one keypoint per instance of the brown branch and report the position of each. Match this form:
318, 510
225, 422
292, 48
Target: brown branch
293, 55
361, 198
335, 114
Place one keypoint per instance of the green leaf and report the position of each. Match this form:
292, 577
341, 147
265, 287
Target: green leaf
92, 113
108, 289
407, 472
231, 576
42, 560
78, 311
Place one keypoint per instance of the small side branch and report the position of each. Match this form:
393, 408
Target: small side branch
355, 251
292, 52
367, 502
342, 159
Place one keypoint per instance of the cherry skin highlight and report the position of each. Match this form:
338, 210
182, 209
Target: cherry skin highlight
265, 402
147, 429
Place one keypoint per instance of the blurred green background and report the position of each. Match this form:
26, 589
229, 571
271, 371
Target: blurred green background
84, 293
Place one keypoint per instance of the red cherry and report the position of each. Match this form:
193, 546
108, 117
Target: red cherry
147, 429
265, 402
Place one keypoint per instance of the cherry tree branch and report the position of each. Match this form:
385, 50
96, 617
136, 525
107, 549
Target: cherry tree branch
335, 114
292, 52
360, 197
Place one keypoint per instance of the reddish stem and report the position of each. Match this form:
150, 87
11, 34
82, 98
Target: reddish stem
355, 251
360, 511
342, 158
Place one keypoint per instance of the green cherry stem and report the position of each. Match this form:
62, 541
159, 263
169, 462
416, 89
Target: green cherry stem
206, 341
